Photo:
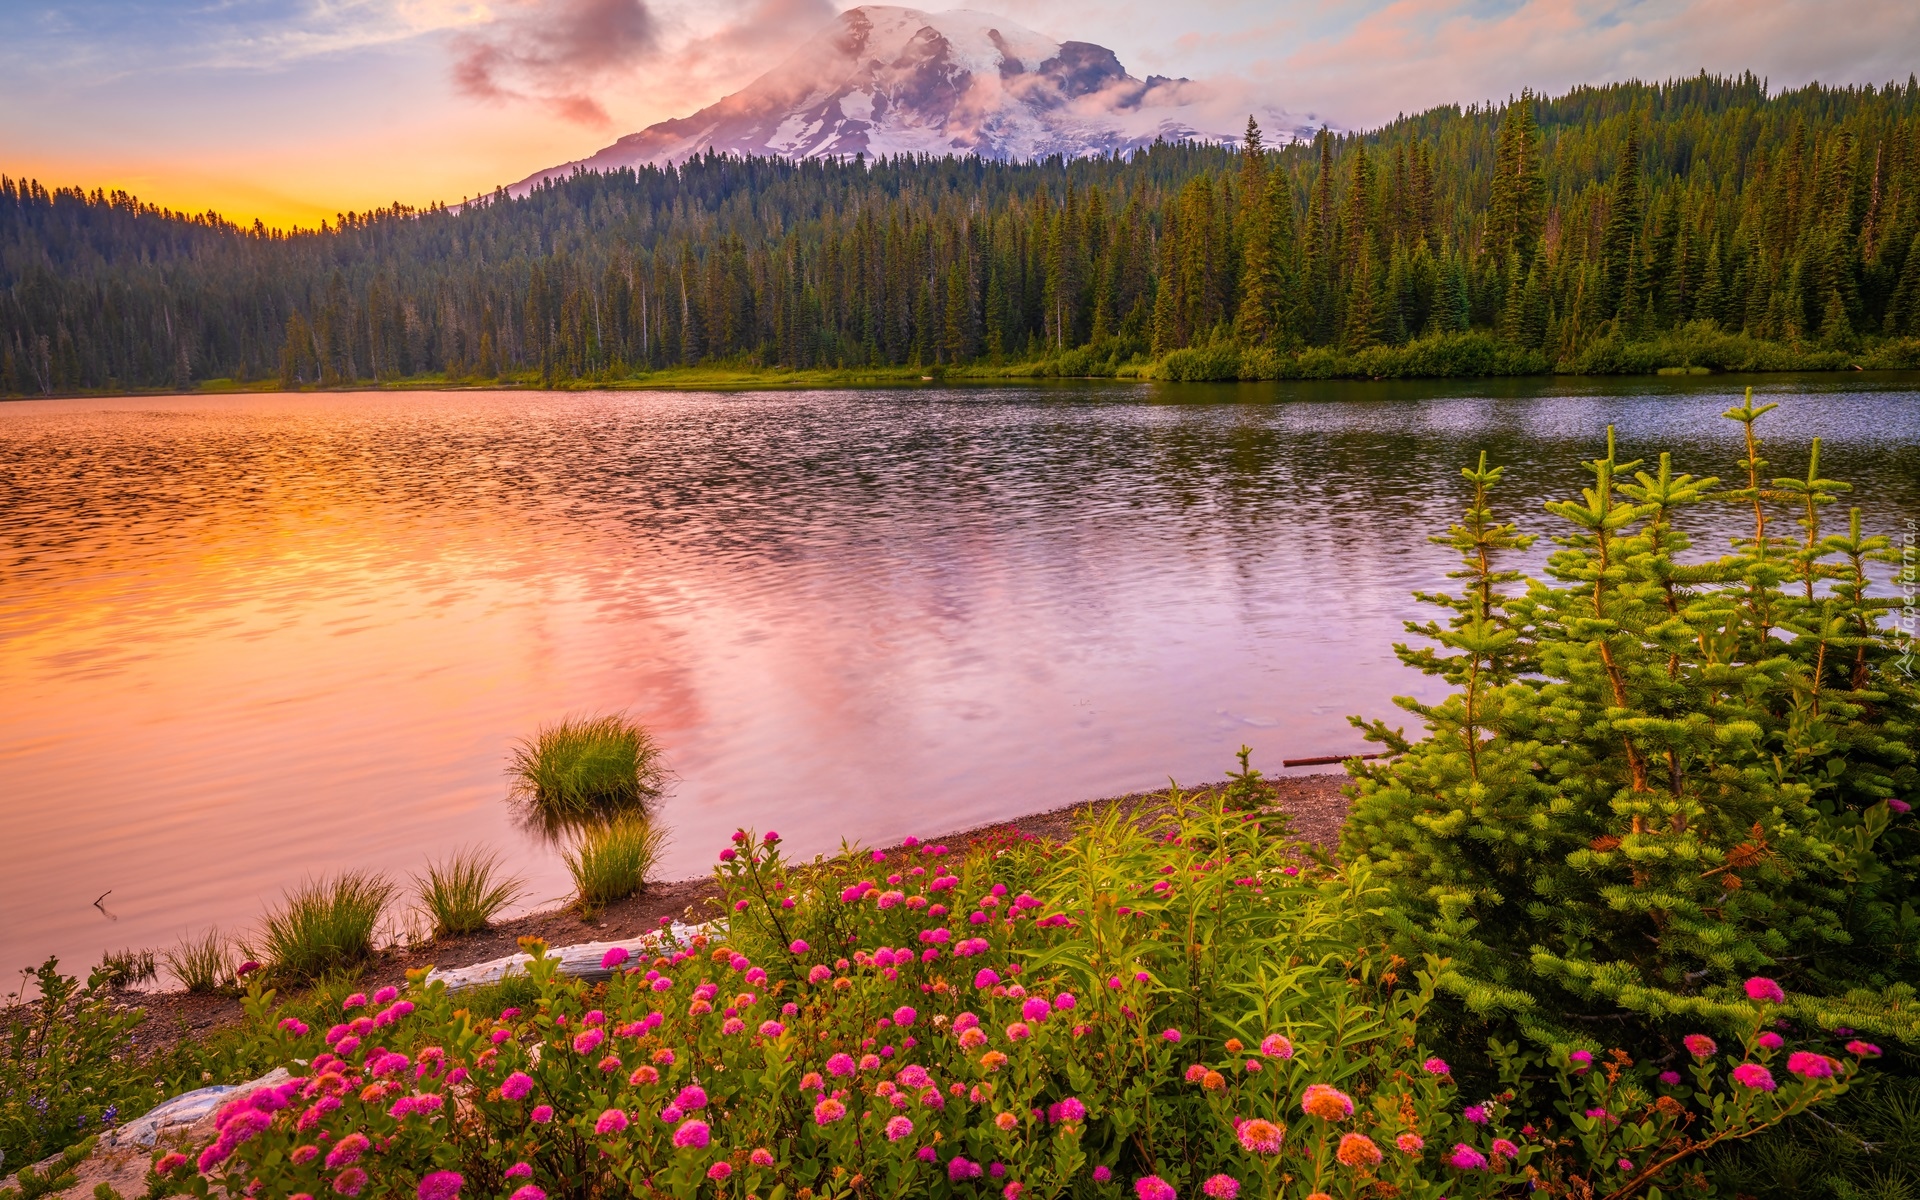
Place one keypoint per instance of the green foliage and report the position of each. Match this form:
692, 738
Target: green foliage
61, 1076
203, 964
127, 968
55, 1176
583, 768
614, 860
325, 925
1602, 230
1865, 1147
463, 892
1658, 772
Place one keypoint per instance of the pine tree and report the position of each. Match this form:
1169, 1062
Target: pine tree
1620, 244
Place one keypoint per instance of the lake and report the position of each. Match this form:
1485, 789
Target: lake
248, 639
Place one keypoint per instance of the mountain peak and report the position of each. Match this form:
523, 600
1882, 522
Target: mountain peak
883, 79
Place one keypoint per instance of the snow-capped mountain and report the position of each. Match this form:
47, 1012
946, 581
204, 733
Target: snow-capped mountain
887, 80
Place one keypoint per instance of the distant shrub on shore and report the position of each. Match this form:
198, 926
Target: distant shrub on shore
202, 964
581, 768
463, 892
613, 861
127, 968
325, 925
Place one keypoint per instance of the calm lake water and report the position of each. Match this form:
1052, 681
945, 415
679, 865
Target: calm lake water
247, 639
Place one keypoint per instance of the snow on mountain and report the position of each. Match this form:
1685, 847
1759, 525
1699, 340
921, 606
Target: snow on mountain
887, 80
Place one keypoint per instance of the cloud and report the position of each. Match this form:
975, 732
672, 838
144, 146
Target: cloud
555, 52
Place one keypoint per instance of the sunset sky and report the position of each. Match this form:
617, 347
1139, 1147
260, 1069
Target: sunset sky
292, 110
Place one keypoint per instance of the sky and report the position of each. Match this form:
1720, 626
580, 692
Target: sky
291, 111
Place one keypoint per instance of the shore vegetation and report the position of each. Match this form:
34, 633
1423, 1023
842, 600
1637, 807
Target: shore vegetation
325, 925
614, 859
462, 893
588, 768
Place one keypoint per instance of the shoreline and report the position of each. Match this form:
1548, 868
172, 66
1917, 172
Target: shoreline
1016, 376
1313, 801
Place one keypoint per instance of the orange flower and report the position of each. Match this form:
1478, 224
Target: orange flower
1327, 1102
1007, 1122
1213, 1081
993, 1060
1234, 1046
1358, 1150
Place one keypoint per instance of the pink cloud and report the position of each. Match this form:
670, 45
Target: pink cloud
555, 52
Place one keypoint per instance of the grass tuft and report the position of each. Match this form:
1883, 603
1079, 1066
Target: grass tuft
126, 968
325, 925
462, 893
613, 861
203, 965
584, 768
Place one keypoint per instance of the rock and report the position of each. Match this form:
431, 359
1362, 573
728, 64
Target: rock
581, 961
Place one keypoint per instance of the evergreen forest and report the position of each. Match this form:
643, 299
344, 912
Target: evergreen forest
1703, 223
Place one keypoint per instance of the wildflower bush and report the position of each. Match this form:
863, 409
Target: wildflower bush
1184, 1009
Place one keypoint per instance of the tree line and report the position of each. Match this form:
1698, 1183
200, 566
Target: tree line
1549, 225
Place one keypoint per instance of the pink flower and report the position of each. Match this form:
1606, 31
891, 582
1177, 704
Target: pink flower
588, 1042
350, 1181
772, 1029
1466, 1158
357, 1000
1410, 1143
693, 1135
528, 1192
1670, 1078
520, 1170
1035, 1009
899, 1127
670, 1114
828, 1111
1863, 1049
1700, 1045
614, 957
611, 1121
1899, 806
1152, 1187
1102, 1174
733, 1025
169, 1163
541, 1114
347, 1151
1770, 1041
761, 1158
1808, 1065
1436, 1066
798, 947
960, 1168
1018, 1032
986, 978
1753, 1075
1012, 1191
1221, 1187
385, 994
1765, 990
720, 1170
840, 1065
294, 1026
729, 854
1475, 1113
904, 1016
516, 1086
1171, 1035
1502, 1148
439, 1185
1260, 1136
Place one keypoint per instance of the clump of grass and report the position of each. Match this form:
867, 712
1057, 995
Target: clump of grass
462, 893
583, 768
203, 964
612, 861
325, 925
126, 968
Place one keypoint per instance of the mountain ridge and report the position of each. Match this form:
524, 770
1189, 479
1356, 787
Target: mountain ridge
884, 79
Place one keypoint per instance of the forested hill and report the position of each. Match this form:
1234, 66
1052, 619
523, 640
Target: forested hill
1545, 232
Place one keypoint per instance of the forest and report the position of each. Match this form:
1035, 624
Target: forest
1698, 223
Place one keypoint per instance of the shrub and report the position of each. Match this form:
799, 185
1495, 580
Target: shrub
127, 968
325, 925
464, 892
587, 767
203, 964
61, 1077
612, 861
1658, 773
1134, 1008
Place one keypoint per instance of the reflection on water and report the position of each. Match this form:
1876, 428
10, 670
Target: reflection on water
246, 639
